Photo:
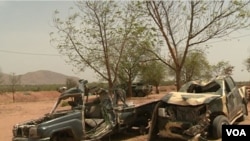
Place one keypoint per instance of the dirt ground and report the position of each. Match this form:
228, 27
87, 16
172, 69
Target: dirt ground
31, 105
28, 106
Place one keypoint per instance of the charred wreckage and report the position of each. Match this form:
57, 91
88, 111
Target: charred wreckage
78, 115
198, 110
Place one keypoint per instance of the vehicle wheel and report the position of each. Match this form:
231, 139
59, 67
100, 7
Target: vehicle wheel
54, 138
217, 125
61, 136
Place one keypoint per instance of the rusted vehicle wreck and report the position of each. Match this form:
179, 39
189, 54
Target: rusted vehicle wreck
78, 115
198, 110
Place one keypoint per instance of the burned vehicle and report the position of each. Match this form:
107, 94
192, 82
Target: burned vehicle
141, 89
78, 115
198, 110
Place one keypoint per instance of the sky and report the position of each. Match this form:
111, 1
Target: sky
25, 42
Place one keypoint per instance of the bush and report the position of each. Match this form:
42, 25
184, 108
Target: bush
34, 88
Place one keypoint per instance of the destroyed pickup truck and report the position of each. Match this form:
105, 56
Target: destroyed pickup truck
198, 110
77, 115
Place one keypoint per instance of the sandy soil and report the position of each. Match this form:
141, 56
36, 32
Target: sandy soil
30, 105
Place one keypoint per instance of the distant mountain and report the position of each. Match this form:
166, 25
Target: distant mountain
40, 77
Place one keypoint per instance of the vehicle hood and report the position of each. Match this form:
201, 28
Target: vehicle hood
52, 118
182, 98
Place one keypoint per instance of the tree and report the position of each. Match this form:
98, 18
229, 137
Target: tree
132, 60
98, 35
247, 64
14, 81
70, 83
153, 72
196, 66
129, 67
184, 25
222, 68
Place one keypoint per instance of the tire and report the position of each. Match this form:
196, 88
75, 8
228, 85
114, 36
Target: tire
61, 136
54, 138
217, 126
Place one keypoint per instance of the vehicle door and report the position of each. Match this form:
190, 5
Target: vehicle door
233, 98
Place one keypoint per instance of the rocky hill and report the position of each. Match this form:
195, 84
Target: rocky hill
40, 77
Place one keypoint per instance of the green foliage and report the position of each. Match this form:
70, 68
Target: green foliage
247, 64
14, 81
100, 35
184, 25
166, 83
106, 35
153, 72
35, 88
70, 83
222, 68
98, 84
1, 77
196, 66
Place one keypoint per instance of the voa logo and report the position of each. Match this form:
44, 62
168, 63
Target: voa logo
236, 132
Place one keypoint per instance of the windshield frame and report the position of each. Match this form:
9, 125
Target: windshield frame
215, 86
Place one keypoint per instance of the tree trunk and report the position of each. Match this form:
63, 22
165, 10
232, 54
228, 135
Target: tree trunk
130, 93
157, 89
110, 90
178, 78
13, 96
